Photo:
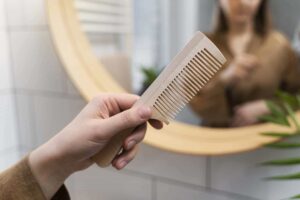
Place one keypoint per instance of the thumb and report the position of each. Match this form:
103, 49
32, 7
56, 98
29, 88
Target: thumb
127, 119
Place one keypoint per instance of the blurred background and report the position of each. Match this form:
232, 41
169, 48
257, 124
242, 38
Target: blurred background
38, 99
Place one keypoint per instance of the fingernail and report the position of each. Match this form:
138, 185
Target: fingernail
130, 144
122, 164
144, 112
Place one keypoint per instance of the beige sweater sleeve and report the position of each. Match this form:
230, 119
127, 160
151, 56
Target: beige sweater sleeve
291, 80
18, 183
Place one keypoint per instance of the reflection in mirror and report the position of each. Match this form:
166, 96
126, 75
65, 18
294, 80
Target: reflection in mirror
136, 39
109, 28
260, 61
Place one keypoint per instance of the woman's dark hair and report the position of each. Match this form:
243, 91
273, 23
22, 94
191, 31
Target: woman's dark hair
262, 19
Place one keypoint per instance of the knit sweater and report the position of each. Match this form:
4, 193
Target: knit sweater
18, 183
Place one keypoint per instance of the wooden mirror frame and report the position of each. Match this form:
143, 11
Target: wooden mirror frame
91, 78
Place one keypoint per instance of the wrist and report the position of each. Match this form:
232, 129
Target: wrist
48, 169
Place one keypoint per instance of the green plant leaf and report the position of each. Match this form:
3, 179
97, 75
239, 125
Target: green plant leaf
298, 99
286, 177
277, 115
276, 120
291, 113
278, 135
296, 197
283, 145
288, 98
283, 162
150, 74
275, 109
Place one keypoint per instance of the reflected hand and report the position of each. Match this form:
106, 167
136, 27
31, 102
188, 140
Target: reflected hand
248, 114
240, 69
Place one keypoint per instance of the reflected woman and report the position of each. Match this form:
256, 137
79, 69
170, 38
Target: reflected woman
260, 61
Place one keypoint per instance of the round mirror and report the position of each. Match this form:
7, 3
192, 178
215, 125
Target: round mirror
96, 43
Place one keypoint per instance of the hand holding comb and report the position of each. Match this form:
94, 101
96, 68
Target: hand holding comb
175, 87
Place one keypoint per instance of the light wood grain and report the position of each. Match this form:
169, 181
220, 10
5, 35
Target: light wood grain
91, 78
112, 149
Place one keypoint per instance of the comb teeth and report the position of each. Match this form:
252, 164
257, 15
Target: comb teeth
193, 76
182, 79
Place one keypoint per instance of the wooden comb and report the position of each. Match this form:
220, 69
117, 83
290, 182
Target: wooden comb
179, 82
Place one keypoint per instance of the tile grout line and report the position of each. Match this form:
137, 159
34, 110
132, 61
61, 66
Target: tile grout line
34, 92
232, 194
65, 76
7, 91
18, 120
9, 149
27, 28
12, 74
208, 173
10, 48
33, 123
163, 179
10, 29
154, 188
32, 134
186, 185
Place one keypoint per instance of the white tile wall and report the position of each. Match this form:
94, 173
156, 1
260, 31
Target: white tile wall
242, 174
26, 13
26, 121
35, 13
8, 158
70, 184
168, 191
52, 114
71, 89
2, 15
97, 183
189, 169
5, 66
8, 126
15, 12
35, 64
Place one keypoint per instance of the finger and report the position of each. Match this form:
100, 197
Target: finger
246, 65
250, 66
136, 137
128, 119
124, 101
124, 158
248, 57
156, 124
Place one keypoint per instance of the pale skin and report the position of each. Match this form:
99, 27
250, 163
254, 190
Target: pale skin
72, 148
240, 14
